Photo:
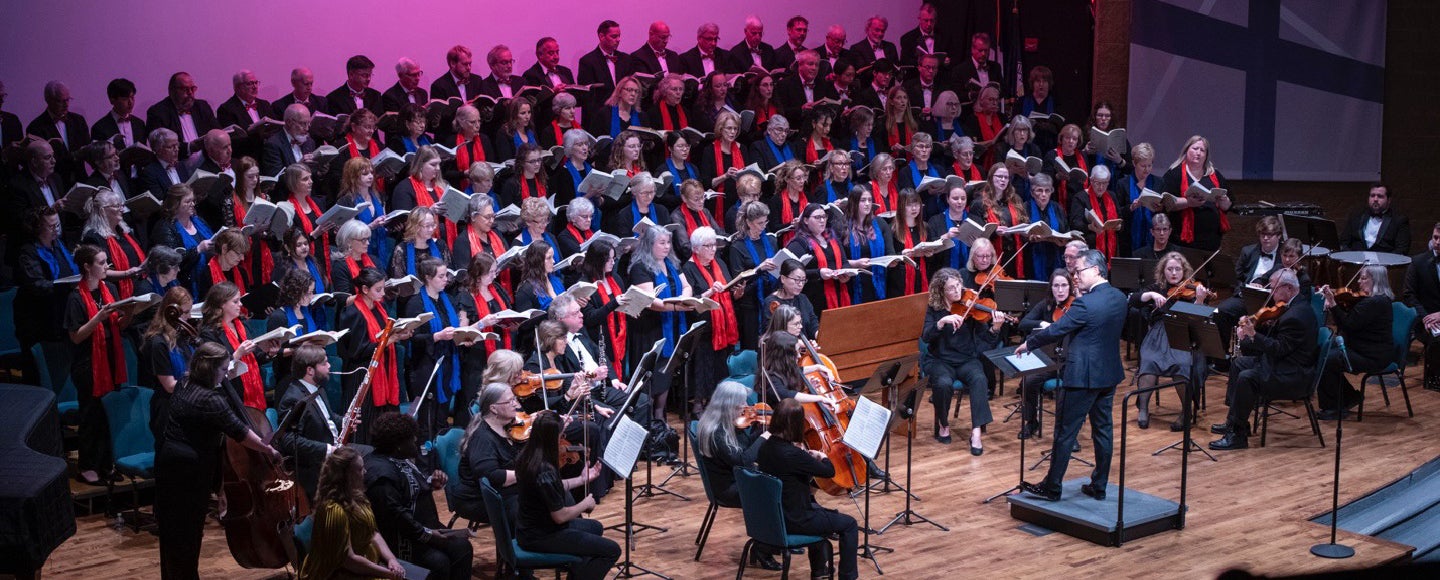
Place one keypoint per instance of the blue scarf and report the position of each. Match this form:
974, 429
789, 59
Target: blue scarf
367, 215
781, 153
529, 134
877, 249
830, 195
447, 382
202, 232
1045, 257
556, 285
959, 253
1140, 236
943, 133
161, 289
494, 199
315, 273
615, 122
410, 255
869, 150
292, 320
763, 279
915, 176
635, 213
680, 173
412, 145
576, 177
526, 238
672, 324
48, 256
1028, 105
180, 360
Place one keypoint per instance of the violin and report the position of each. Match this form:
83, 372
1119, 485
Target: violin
759, 413
1346, 298
972, 306
551, 379
570, 452
1188, 291
1061, 309
519, 431
988, 277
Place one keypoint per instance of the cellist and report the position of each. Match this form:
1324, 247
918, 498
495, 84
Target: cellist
955, 341
782, 456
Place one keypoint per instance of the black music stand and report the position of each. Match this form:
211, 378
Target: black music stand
1020, 295
679, 366
1218, 273
644, 372
625, 467
907, 516
1008, 369
1131, 273
887, 377
1314, 231
859, 421
1254, 298
1190, 331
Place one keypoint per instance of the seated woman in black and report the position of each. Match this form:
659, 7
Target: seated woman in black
790, 294
550, 520
723, 447
402, 496
781, 456
1043, 314
1366, 325
489, 453
955, 346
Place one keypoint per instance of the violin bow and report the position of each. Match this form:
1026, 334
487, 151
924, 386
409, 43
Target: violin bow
971, 307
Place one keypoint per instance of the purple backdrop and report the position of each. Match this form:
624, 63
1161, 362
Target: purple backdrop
85, 44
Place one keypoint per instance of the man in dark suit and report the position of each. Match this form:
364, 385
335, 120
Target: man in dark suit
796, 30
833, 50
313, 436
407, 89
654, 57
168, 168
10, 129
753, 51
1279, 364
66, 130
458, 82
245, 107
181, 112
1422, 292
583, 353
1377, 228
922, 37
794, 92
302, 82
874, 46
1256, 261
978, 70
292, 145
355, 92
547, 71
705, 57
923, 89
120, 120
1092, 369
605, 65
502, 82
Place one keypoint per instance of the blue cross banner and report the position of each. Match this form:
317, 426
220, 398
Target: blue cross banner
1283, 89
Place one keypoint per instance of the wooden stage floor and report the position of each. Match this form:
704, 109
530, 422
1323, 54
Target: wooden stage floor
1248, 510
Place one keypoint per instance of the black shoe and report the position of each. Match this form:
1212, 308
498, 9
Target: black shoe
976, 451
874, 472
1028, 430
1231, 441
763, 562
1178, 426
1143, 422
1092, 491
1040, 492
943, 439
1220, 428
1330, 415
1076, 447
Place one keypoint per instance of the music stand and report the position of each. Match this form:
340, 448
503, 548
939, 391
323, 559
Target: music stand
907, 516
679, 365
1020, 295
1131, 273
1314, 231
887, 377
869, 418
1218, 273
620, 458
1254, 298
644, 372
1190, 332
998, 357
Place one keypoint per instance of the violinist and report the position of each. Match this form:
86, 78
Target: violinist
956, 337
564, 396
1276, 364
782, 456
189, 458
365, 319
724, 445
1173, 281
550, 519
488, 452
402, 496
1255, 262
1040, 316
790, 295
1291, 251
982, 269
1364, 318
315, 437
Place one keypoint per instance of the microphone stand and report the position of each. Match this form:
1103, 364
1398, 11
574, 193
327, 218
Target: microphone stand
1332, 549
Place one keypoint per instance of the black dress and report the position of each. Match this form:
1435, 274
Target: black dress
487, 455
708, 366
746, 254
652, 326
424, 353
356, 349
187, 470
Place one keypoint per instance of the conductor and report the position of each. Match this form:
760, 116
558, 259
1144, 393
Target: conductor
1091, 373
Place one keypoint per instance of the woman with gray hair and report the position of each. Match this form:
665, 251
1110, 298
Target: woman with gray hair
561, 121
962, 158
162, 272
488, 453
1364, 319
566, 177
651, 266
708, 275
351, 255
105, 228
639, 203
946, 113
774, 148
753, 247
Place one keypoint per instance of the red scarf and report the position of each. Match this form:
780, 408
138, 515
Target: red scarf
973, 174
726, 331
665, 118
887, 202
467, 153
354, 268
1105, 241
895, 135
497, 247
580, 236
425, 197
217, 275
1187, 216
373, 150
1016, 239
119, 260
254, 386
384, 385
307, 227
1060, 189
812, 155
835, 293
105, 347
482, 309
989, 127
736, 160
257, 249
693, 220
788, 212
525, 188
615, 322
910, 270
559, 133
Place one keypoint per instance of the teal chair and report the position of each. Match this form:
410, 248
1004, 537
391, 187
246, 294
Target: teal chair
509, 551
765, 520
52, 361
742, 367
132, 364
9, 344
1317, 304
131, 443
1262, 405
304, 533
708, 521
447, 448
273, 416
1400, 328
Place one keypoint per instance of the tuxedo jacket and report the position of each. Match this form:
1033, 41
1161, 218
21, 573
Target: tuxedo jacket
309, 439
491, 86
339, 102
127, 187
395, 99
1287, 352
1394, 235
10, 129
315, 103
863, 54
645, 60
790, 96
910, 40
594, 69
692, 64
154, 179
77, 131
914, 91
535, 75
965, 71
105, 128
232, 112
1422, 288
741, 59
785, 56
445, 87
164, 114
1245, 263
276, 155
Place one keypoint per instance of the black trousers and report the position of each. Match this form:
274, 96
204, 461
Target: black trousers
181, 501
581, 538
579, 432
1032, 390
94, 425
1247, 384
450, 557
823, 522
972, 375
1335, 390
1073, 406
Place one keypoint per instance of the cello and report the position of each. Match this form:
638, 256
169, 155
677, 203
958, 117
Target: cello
824, 429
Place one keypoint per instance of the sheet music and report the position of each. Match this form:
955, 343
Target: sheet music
624, 447
867, 427
1025, 363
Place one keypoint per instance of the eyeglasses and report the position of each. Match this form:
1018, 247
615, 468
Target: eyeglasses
797, 280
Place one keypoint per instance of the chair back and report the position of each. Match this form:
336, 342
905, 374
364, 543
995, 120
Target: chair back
447, 448
304, 533
499, 522
132, 362
693, 428
9, 342
128, 410
742, 367
53, 362
1401, 329
760, 502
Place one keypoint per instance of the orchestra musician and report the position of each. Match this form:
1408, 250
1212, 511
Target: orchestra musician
1276, 364
1366, 344
1422, 292
488, 452
550, 519
725, 445
955, 338
1377, 227
1040, 316
317, 434
1173, 281
402, 497
567, 397
609, 393
782, 456
1159, 245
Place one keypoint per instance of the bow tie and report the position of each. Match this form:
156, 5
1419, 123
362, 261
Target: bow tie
357, 94
250, 106
225, 167
874, 47
706, 56
926, 36
610, 57
296, 142
755, 50
809, 86
550, 71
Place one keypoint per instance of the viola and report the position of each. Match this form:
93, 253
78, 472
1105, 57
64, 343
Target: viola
972, 306
519, 431
759, 413
570, 453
